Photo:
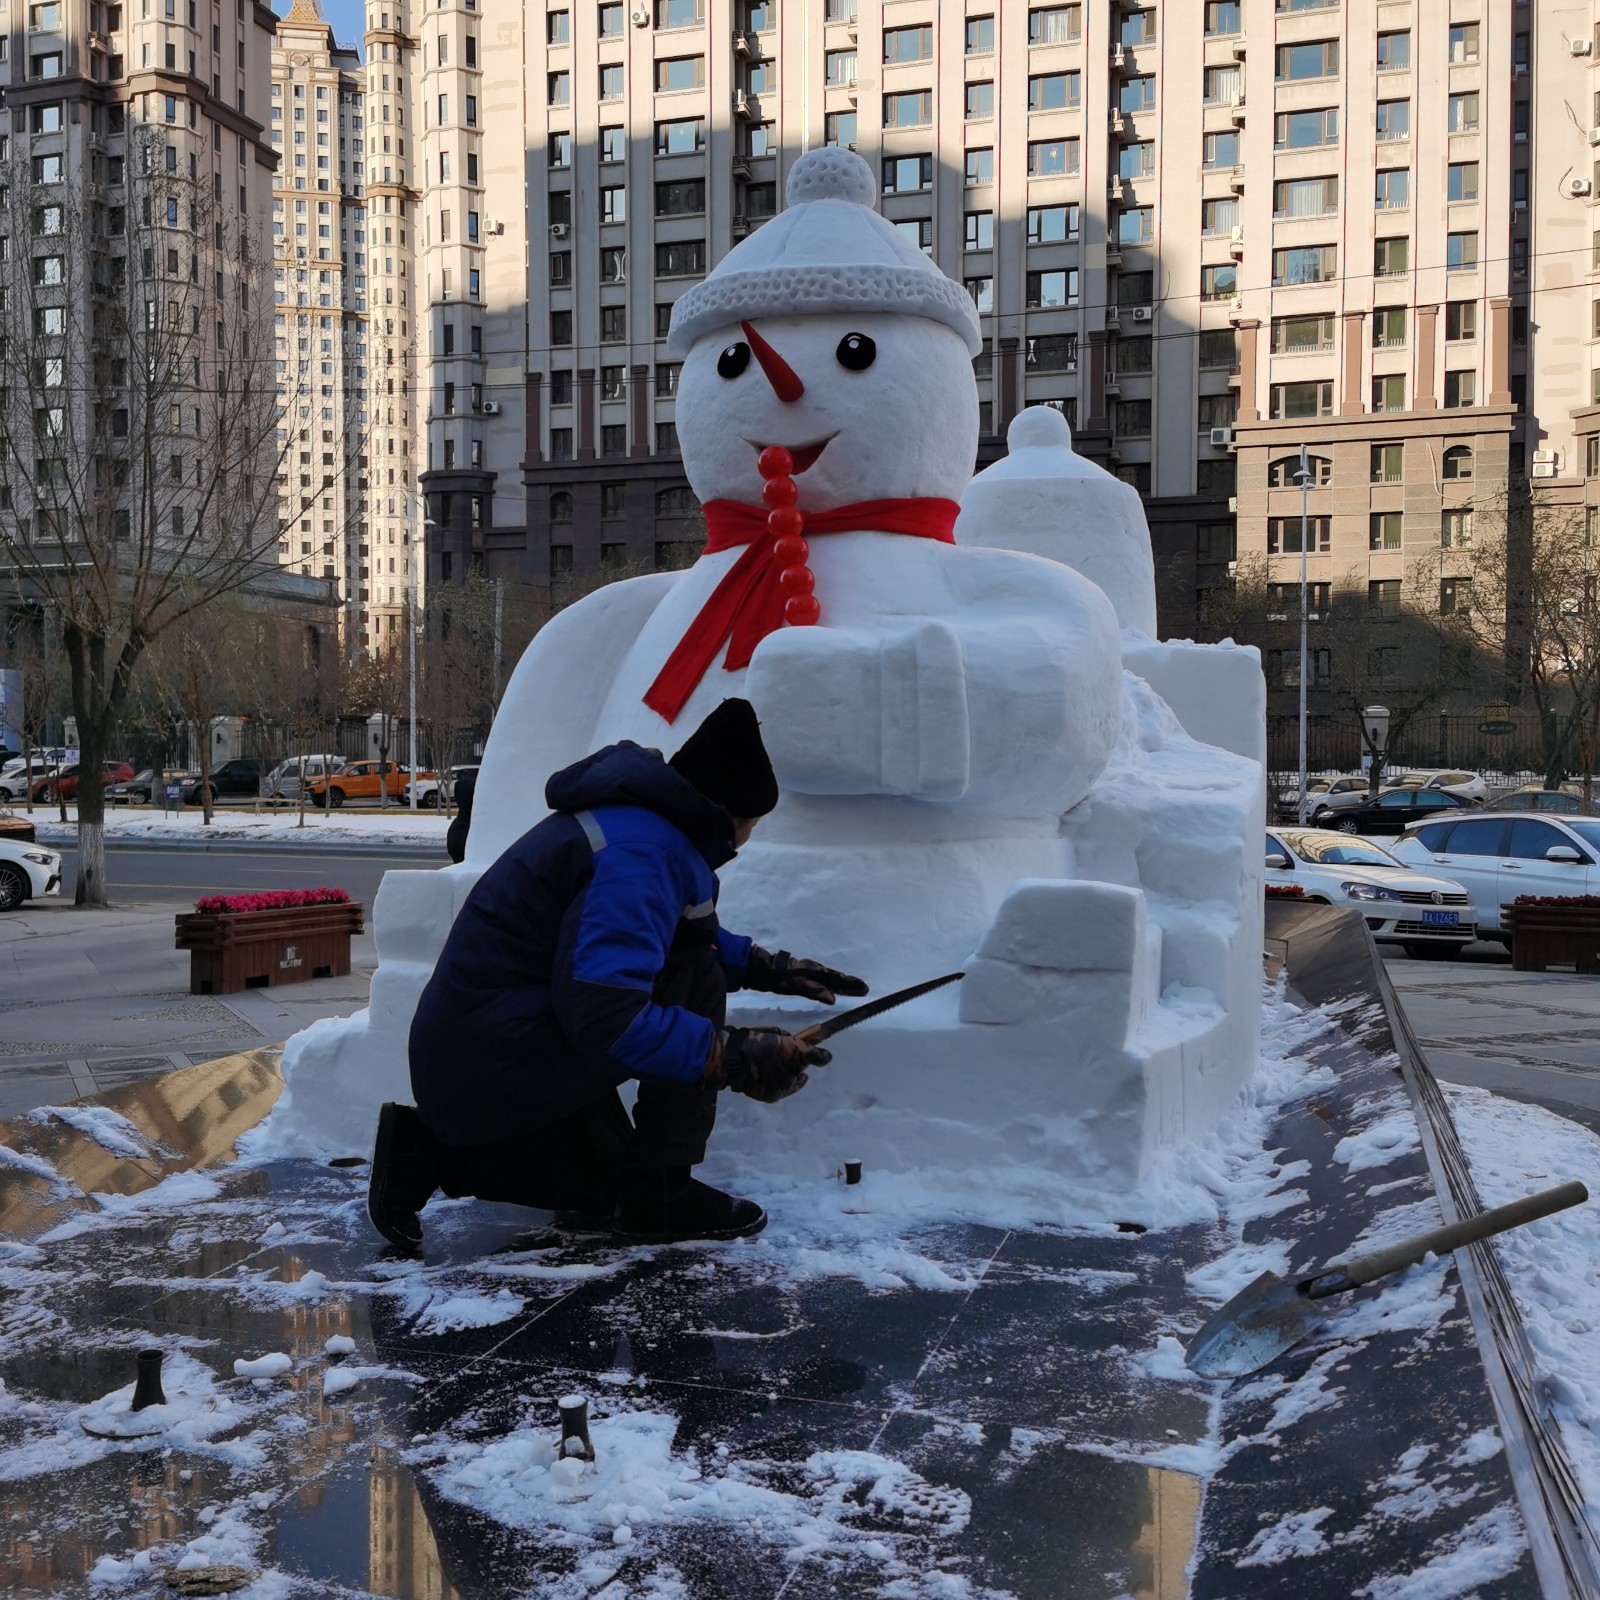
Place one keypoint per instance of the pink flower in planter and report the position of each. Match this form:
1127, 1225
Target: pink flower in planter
1557, 900
271, 900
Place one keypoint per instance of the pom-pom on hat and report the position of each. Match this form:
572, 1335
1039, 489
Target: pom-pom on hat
726, 761
826, 251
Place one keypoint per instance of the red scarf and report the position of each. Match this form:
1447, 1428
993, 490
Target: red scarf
748, 604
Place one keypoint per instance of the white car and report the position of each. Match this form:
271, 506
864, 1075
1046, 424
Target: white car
1324, 796
14, 777
1469, 785
1430, 916
27, 872
283, 782
1499, 855
428, 787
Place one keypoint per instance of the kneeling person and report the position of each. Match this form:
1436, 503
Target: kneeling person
589, 954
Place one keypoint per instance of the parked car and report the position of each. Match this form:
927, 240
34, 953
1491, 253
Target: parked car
18, 829
368, 781
14, 776
143, 787
283, 782
1324, 796
1497, 856
1469, 785
63, 783
28, 871
428, 786
241, 776
1565, 801
1428, 915
1395, 808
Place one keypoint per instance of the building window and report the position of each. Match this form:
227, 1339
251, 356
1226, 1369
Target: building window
1313, 263
1460, 389
1461, 180
1463, 41
614, 264
1053, 91
1389, 392
613, 440
1222, 18
1216, 411
982, 292
1391, 257
1136, 354
1383, 532
678, 501
1283, 535
1298, 400
561, 506
1284, 472
1394, 121
1138, 27
1462, 116
674, 73
1054, 24
1052, 158
560, 266
1457, 462
1222, 86
561, 444
1052, 224
1460, 251
1455, 596
680, 13
613, 15
1219, 350
682, 137
558, 93
1305, 197
1455, 529
1461, 320
613, 501
917, 231
1052, 290
913, 110
1220, 282
611, 82
980, 102
614, 203
1136, 225
1137, 160
666, 439
613, 324
1394, 52
681, 198
902, 45
1303, 130
839, 67
907, 174
839, 128
561, 387
683, 258
1218, 218
668, 374
980, 230
1394, 189
980, 36
980, 165
1388, 463
1383, 597
1389, 328
1131, 419
1315, 58
1136, 94
1300, 336
1221, 150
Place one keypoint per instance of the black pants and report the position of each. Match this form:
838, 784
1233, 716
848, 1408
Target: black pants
578, 1162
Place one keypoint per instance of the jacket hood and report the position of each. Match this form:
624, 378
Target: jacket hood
626, 774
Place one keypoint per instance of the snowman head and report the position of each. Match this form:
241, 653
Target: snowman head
830, 334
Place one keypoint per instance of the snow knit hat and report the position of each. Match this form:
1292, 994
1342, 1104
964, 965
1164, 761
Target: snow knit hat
826, 251
726, 761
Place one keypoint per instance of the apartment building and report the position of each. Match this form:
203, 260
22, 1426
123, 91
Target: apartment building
317, 127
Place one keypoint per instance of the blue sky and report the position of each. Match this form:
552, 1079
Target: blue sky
347, 17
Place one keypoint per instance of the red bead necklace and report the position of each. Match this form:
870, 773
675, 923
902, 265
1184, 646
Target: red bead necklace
786, 523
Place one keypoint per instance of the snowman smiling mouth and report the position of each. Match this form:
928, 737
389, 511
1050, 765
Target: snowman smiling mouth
805, 455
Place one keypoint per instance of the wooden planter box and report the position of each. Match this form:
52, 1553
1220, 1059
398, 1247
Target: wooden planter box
1554, 936
235, 950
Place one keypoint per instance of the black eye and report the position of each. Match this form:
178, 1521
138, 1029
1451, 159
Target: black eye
856, 352
733, 360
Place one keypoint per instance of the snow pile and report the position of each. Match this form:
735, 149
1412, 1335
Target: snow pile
273, 1365
1554, 1265
850, 1501
109, 1129
398, 826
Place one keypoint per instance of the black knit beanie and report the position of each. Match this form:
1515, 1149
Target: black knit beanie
726, 761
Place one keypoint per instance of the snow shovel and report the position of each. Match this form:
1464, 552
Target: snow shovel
1273, 1314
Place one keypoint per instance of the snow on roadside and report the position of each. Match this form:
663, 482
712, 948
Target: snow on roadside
1553, 1266
397, 826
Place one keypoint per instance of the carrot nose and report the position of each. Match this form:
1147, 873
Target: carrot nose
784, 379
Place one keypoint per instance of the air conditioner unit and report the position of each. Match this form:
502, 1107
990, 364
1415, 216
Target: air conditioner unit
491, 408
741, 103
741, 42
1113, 317
1236, 308
1238, 52
1221, 438
1119, 58
1543, 469
494, 226
1238, 114
640, 16
1112, 386
1594, 136
1236, 180
559, 230
1578, 187
1143, 314
1236, 241
1233, 508
1581, 47
850, 85
1547, 458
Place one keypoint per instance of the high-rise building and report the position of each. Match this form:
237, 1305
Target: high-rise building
320, 324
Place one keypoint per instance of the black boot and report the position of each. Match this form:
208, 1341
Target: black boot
405, 1173
663, 1206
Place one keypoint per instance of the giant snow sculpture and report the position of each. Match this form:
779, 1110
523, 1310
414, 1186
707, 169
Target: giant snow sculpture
986, 757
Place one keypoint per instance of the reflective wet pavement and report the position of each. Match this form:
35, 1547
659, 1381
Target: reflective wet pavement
996, 1416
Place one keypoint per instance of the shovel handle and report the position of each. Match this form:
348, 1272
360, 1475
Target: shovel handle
1363, 1269
809, 1036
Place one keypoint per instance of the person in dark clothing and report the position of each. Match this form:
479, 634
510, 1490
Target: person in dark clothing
589, 953
455, 839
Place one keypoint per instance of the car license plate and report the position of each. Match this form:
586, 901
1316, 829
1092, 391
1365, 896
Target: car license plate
1441, 919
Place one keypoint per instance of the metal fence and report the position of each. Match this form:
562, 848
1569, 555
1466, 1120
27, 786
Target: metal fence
1488, 742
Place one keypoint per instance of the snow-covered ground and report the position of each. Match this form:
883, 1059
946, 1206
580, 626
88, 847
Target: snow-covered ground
286, 827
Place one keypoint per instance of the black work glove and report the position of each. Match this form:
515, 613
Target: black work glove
765, 1063
782, 973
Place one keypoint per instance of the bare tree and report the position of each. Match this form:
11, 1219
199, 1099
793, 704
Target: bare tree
139, 434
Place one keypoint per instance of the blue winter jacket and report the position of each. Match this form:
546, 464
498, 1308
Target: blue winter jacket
546, 978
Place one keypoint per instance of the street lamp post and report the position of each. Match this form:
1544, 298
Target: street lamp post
411, 666
1375, 724
1303, 476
